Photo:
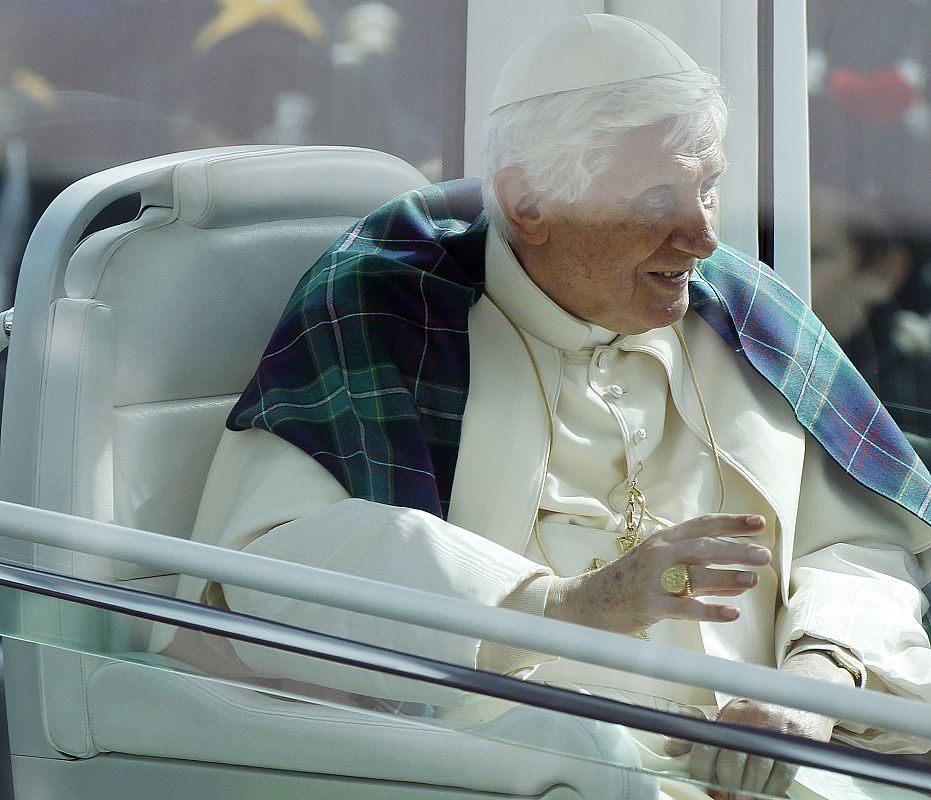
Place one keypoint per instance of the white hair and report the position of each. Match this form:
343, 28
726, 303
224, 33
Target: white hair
564, 141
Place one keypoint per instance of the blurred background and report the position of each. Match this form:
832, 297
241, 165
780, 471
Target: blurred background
870, 128
88, 84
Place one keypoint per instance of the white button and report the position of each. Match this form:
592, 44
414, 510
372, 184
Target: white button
615, 391
639, 435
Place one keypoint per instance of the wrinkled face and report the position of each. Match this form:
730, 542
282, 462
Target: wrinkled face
622, 257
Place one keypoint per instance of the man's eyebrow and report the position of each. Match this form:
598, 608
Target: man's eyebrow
720, 168
658, 188
720, 165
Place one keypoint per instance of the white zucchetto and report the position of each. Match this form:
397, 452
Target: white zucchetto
586, 51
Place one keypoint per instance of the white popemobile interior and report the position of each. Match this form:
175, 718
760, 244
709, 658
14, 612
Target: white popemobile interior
93, 432
131, 345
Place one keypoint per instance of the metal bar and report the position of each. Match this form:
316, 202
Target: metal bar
792, 749
791, 224
765, 113
471, 619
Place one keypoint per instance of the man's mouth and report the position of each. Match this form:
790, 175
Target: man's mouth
670, 274
670, 280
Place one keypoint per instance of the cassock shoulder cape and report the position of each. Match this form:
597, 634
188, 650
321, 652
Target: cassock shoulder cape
368, 369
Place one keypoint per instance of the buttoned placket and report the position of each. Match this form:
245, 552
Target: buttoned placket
611, 395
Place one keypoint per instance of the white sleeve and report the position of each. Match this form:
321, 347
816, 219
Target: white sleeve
858, 563
266, 496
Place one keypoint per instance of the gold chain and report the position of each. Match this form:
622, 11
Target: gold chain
636, 503
704, 416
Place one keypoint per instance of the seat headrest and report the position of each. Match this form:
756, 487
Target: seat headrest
291, 183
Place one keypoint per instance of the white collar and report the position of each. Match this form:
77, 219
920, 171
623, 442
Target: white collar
527, 305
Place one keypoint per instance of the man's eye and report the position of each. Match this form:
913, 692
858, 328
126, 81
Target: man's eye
709, 194
709, 189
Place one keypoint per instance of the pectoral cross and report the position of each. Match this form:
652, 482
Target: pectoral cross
633, 519
634, 513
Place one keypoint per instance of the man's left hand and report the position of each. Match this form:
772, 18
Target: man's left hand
755, 773
749, 772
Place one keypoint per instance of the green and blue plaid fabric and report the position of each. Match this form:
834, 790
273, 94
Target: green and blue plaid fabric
368, 369
763, 319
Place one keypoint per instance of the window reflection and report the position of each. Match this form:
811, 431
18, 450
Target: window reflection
863, 271
87, 84
871, 193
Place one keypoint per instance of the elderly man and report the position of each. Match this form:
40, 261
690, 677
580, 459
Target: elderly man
578, 408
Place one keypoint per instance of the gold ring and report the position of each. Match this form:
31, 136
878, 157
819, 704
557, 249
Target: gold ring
676, 580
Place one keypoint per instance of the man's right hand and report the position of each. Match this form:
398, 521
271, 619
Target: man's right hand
626, 595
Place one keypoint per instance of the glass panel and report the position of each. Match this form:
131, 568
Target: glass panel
280, 679
870, 133
676, 485
277, 707
871, 193
85, 85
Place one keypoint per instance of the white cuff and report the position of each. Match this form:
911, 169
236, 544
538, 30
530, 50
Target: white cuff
529, 597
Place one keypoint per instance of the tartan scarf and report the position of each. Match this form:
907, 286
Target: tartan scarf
368, 369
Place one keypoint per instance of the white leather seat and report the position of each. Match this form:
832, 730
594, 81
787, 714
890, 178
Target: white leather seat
127, 354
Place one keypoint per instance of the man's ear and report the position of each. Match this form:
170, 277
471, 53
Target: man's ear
520, 204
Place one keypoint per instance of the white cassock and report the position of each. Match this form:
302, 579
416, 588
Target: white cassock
844, 571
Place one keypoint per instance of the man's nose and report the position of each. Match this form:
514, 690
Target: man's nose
694, 231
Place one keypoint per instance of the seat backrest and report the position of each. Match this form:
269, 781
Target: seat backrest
157, 324
131, 345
